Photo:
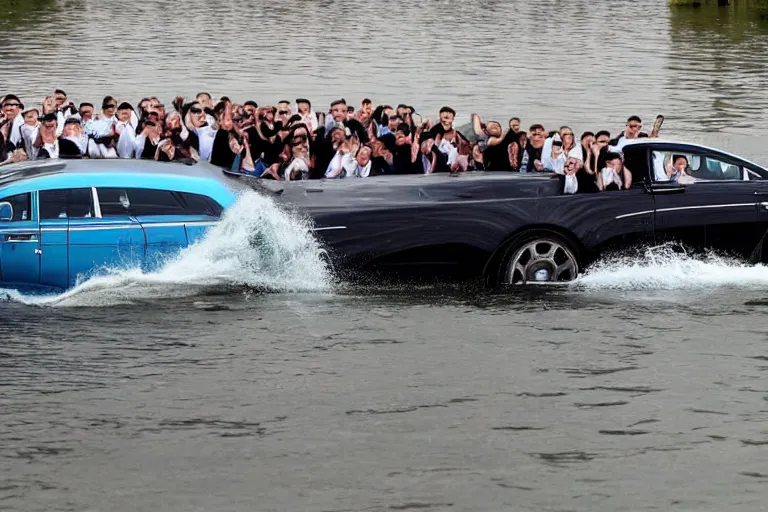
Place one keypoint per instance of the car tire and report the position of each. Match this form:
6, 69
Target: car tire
538, 256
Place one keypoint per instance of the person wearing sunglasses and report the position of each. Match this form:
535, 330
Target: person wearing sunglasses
631, 132
12, 120
101, 130
201, 133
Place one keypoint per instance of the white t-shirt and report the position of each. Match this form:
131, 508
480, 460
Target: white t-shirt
205, 134
15, 135
610, 176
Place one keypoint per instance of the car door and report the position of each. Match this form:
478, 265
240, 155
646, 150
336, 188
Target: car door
109, 241
202, 213
714, 207
19, 240
54, 234
161, 215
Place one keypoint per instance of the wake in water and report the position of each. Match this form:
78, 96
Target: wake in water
666, 267
257, 245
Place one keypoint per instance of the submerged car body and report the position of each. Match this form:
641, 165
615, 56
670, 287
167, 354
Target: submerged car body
520, 228
61, 221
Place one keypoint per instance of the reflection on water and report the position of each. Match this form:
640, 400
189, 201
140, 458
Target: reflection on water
582, 62
718, 59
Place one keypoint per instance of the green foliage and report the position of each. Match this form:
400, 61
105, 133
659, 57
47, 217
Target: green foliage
14, 13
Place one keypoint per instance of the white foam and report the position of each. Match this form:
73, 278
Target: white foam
257, 244
667, 268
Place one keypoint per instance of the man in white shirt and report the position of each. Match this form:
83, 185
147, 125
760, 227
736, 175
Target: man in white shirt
12, 108
630, 133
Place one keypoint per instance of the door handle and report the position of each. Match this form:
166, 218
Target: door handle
21, 237
668, 190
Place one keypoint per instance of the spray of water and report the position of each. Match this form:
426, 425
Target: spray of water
257, 245
668, 267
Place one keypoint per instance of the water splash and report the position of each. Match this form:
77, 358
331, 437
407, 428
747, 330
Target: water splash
257, 245
668, 267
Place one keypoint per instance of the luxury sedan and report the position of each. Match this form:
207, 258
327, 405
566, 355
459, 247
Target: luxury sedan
61, 221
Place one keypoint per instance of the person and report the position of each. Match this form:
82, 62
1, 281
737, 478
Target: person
587, 139
677, 170
405, 158
631, 132
308, 116
571, 170
496, 153
432, 160
47, 142
73, 142
553, 156
125, 132
614, 176
29, 131
102, 130
445, 130
532, 154
514, 125
599, 148
13, 120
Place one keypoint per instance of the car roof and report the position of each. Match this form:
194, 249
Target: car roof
32, 168
35, 169
201, 178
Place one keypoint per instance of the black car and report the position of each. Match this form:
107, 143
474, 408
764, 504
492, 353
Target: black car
513, 228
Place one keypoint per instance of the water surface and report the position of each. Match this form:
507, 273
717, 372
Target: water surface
640, 388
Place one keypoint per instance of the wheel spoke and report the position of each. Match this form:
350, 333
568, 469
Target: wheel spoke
564, 267
543, 254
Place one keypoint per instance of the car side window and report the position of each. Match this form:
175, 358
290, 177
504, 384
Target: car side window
688, 168
139, 201
20, 207
712, 168
196, 204
66, 203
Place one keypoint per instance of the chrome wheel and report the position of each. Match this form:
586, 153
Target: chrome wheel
543, 260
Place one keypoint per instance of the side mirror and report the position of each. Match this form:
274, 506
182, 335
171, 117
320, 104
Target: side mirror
6, 211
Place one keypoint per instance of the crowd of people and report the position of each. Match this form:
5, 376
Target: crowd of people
292, 141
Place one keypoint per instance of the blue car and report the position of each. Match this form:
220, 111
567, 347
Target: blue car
63, 220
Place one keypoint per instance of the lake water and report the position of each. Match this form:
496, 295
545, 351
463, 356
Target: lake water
642, 387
